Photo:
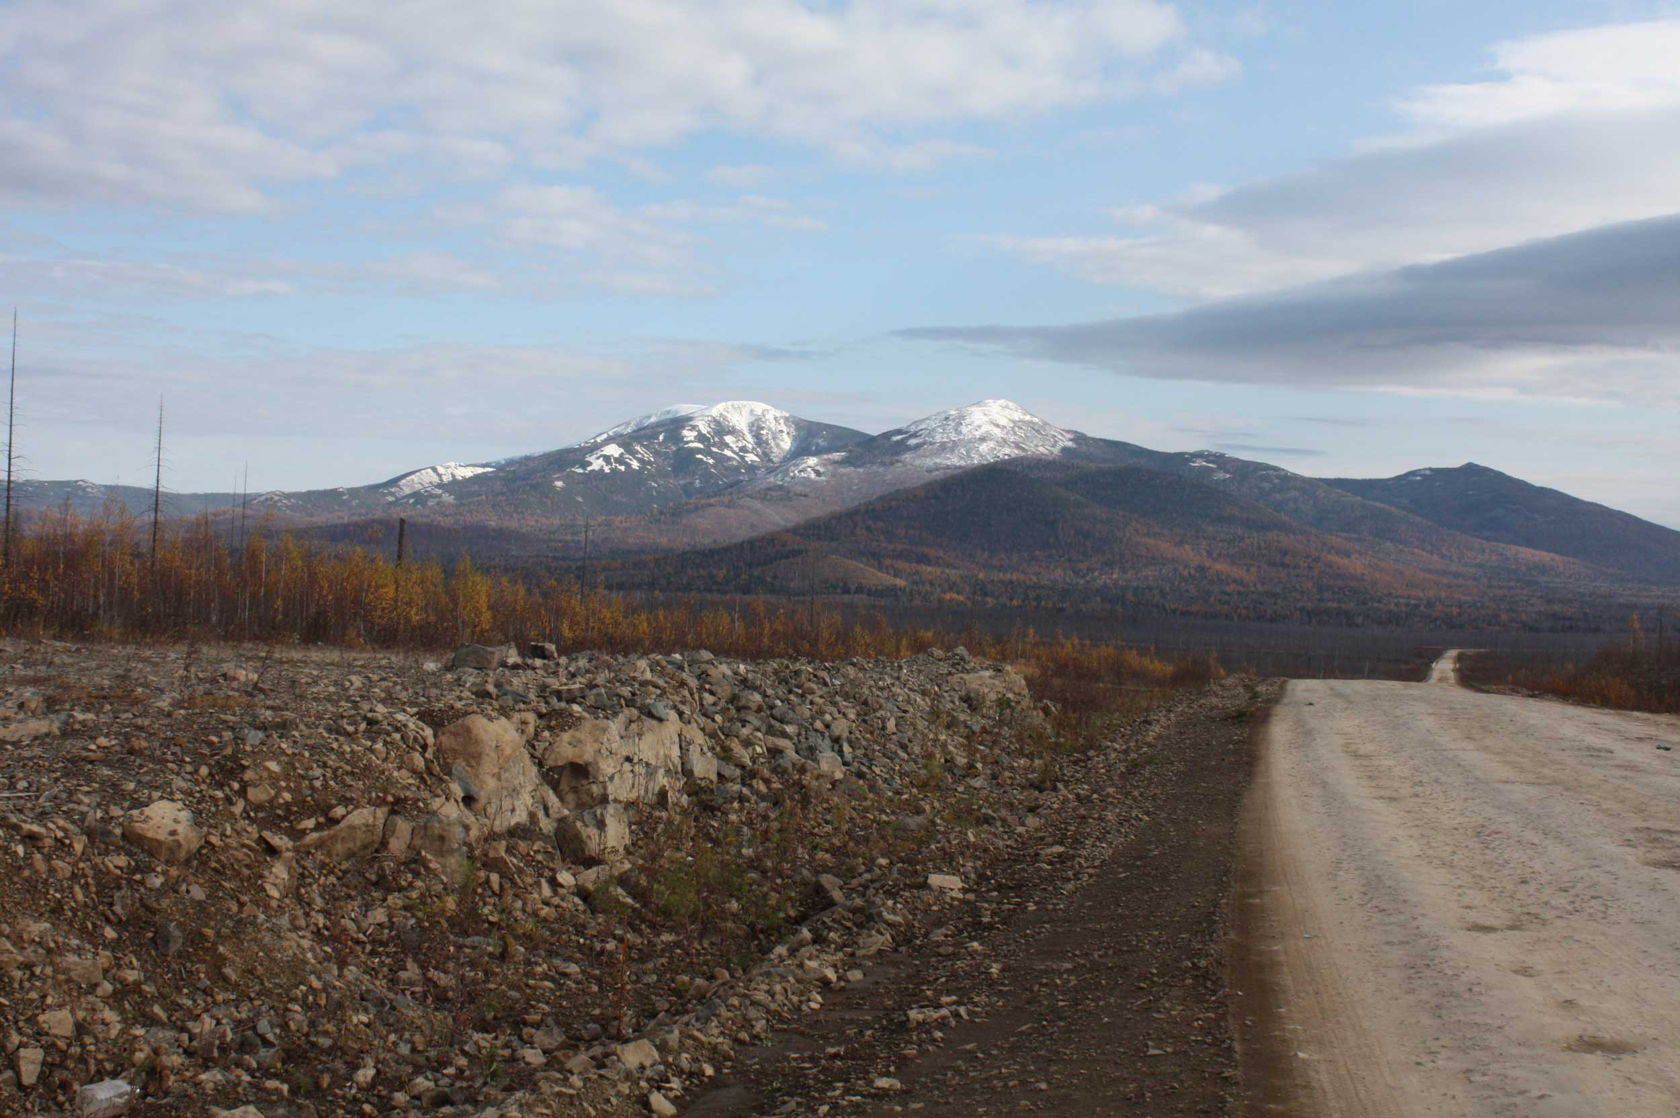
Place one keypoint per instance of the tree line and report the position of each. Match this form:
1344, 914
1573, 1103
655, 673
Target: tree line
112, 578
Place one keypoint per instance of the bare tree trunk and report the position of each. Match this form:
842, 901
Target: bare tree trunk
402, 554
157, 488
11, 455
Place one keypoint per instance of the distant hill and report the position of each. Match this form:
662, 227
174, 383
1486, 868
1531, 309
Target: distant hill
1063, 535
1490, 505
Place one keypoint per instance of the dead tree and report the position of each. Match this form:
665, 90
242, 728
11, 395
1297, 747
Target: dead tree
11, 455
157, 486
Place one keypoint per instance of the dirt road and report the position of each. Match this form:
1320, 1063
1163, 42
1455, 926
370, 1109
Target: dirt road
1460, 903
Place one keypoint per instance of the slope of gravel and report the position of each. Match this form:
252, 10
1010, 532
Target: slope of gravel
309, 882
1081, 973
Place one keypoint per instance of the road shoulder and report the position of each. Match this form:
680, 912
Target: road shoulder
1082, 974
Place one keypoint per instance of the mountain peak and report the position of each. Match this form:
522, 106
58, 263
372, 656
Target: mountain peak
987, 431
651, 419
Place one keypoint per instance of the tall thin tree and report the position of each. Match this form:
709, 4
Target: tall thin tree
11, 456
157, 485
244, 504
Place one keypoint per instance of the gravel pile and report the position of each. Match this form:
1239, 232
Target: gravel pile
298, 882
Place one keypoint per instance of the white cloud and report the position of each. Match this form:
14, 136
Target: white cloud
647, 249
206, 104
907, 158
1617, 68
1575, 130
743, 176
1585, 318
757, 209
432, 396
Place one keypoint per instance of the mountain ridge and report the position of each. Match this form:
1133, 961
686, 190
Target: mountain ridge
692, 475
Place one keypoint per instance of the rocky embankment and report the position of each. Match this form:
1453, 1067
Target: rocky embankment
308, 883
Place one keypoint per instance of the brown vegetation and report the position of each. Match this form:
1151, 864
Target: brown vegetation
87, 579
1641, 671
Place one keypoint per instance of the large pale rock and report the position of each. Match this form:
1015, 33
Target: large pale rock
165, 830
499, 781
597, 835
444, 839
621, 759
27, 729
106, 1099
993, 689
29, 1062
356, 835
638, 1055
58, 1022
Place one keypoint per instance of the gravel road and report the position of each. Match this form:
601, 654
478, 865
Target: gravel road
1460, 903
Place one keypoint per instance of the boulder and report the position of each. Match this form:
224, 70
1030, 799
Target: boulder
638, 1055
620, 759
398, 837
29, 1062
481, 657
698, 762
1001, 688
443, 839
597, 835
354, 836
106, 1099
60, 1023
499, 781
27, 729
164, 829
829, 888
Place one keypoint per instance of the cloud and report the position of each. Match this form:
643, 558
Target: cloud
743, 176
1280, 451
617, 248
1575, 131
646, 249
910, 157
755, 209
217, 106
1588, 317
433, 396
1615, 68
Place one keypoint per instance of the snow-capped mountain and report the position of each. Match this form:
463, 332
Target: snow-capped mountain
661, 459
693, 474
419, 485
989, 431
675, 411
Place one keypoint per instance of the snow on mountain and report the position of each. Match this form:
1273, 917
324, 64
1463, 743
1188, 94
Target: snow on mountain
651, 419
428, 479
743, 429
989, 431
610, 459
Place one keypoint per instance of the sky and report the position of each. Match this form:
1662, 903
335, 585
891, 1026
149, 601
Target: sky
343, 241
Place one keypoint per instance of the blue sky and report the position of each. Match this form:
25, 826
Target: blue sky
340, 244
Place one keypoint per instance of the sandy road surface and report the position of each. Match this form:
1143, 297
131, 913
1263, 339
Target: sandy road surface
1463, 904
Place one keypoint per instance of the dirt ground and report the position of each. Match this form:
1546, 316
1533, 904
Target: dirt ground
1461, 903
1082, 976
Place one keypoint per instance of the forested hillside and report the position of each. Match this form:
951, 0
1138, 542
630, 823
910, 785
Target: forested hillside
1058, 535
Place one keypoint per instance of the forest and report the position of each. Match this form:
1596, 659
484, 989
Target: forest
76, 578
206, 579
